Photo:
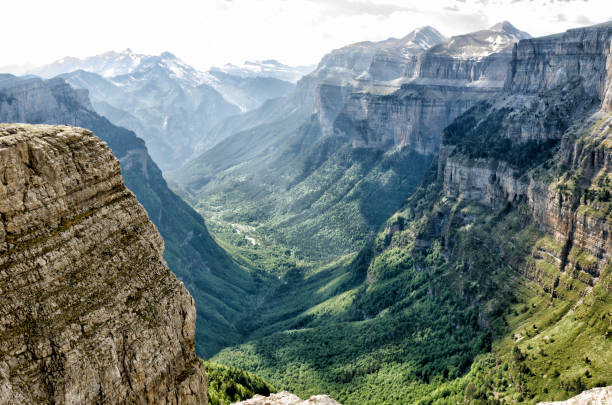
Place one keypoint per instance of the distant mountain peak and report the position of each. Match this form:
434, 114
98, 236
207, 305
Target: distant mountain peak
264, 68
424, 37
507, 27
168, 55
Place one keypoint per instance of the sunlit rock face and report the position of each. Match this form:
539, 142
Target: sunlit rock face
90, 312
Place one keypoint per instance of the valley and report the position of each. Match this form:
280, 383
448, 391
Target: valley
418, 220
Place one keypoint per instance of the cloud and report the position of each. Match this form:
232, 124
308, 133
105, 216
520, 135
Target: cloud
367, 7
584, 20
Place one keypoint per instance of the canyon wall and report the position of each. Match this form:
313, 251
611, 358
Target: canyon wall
556, 99
438, 85
90, 312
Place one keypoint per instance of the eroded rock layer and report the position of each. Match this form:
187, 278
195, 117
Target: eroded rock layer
555, 103
89, 313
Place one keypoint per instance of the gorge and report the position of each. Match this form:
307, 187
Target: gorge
418, 220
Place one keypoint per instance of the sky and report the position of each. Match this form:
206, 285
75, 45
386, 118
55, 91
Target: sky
208, 33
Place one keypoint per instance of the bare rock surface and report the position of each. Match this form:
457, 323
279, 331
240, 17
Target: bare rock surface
89, 311
596, 396
287, 398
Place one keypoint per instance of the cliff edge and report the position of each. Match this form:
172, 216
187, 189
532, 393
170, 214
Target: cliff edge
90, 313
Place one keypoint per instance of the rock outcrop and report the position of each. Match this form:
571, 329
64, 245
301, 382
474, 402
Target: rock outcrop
286, 398
439, 83
555, 102
90, 312
190, 251
413, 116
595, 396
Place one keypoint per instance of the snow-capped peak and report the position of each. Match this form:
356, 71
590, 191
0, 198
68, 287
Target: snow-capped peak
264, 68
509, 29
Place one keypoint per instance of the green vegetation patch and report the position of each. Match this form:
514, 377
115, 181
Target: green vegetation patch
229, 384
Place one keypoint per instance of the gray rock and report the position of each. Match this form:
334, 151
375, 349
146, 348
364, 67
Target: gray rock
595, 396
90, 312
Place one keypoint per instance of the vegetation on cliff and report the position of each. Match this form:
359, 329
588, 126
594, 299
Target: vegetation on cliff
228, 384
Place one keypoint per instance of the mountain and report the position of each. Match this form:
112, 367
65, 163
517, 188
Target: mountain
170, 104
90, 311
265, 68
391, 60
492, 282
250, 92
166, 101
326, 168
107, 64
220, 286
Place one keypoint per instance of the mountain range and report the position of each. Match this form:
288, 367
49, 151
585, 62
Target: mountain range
170, 104
417, 220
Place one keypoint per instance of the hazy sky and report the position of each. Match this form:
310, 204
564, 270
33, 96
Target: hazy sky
212, 32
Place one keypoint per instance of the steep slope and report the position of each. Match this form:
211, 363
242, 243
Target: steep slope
90, 311
249, 93
219, 286
321, 177
492, 284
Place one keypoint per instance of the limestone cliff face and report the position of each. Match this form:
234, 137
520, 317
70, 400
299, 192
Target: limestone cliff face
438, 85
414, 116
90, 312
556, 101
543, 63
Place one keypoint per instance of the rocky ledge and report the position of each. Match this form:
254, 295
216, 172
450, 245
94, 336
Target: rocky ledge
596, 396
286, 398
90, 313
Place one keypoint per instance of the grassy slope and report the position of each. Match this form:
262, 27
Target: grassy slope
319, 198
452, 302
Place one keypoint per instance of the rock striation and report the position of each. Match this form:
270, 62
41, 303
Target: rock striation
286, 398
555, 101
90, 313
439, 83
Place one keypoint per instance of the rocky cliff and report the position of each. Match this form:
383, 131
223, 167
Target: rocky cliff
555, 103
90, 313
357, 66
438, 84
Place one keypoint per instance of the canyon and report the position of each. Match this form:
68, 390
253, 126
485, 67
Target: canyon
421, 220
